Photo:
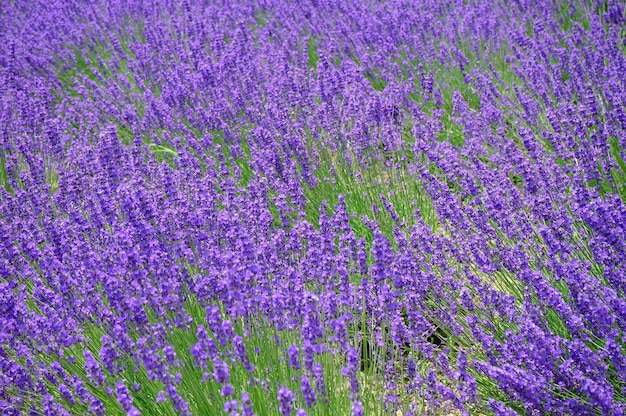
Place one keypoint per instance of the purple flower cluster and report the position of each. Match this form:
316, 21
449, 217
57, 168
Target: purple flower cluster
155, 155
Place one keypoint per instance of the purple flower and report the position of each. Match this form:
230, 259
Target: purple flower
220, 371
246, 405
320, 386
230, 407
66, 393
357, 409
134, 412
108, 356
285, 399
307, 391
123, 396
161, 397
227, 390
293, 357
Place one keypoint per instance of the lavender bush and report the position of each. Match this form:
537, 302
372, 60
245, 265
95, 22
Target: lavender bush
313, 207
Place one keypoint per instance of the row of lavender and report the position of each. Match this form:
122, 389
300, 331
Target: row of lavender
159, 159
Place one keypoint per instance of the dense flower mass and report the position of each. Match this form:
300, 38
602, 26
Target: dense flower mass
313, 207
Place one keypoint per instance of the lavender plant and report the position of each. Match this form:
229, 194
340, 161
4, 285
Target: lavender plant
316, 208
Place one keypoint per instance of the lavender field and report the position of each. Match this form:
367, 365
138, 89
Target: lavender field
263, 207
